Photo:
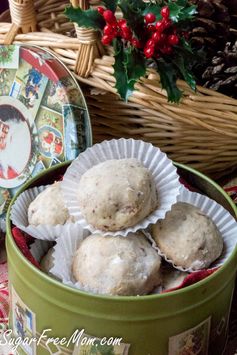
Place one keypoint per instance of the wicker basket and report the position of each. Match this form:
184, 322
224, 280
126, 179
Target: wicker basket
201, 131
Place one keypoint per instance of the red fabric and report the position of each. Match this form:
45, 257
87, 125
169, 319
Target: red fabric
232, 192
232, 188
21, 240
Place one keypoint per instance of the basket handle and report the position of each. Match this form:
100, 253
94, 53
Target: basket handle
90, 46
23, 18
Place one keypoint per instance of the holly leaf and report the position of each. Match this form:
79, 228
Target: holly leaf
155, 9
183, 68
110, 4
135, 65
120, 73
180, 10
168, 78
188, 13
129, 66
85, 18
136, 4
182, 3
132, 12
175, 11
186, 46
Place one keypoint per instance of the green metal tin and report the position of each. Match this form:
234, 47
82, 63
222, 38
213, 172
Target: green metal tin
193, 318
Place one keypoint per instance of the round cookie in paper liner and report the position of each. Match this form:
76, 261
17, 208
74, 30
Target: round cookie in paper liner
19, 217
162, 169
225, 223
111, 260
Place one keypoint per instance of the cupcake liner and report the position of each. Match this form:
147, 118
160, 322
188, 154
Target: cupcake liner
64, 251
19, 217
225, 223
163, 171
39, 248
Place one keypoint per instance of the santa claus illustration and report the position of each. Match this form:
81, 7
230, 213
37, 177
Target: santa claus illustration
15, 145
51, 143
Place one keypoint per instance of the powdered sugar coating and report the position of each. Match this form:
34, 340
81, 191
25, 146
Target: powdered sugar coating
116, 194
117, 266
48, 207
188, 237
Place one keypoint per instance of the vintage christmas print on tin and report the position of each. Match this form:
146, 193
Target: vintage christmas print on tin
43, 117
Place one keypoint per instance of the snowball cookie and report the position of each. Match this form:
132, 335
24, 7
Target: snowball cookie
48, 207
47, 262
188, 237
116, 194
123, 266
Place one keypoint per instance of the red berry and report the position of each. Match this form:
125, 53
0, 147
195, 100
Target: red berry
167, 50
136, 43
149, 51
173, 40
115, 28
126, 33
150, 17
150, 43
162, 41
101, 10
109, 16
108, 30
160, 26
122, 22
165, 12
123, 25
151, 28
163, 37
156, 36
167, 23
106, 40
118, 32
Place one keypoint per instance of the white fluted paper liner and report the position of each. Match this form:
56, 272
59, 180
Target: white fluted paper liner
19, 217
224, 221
163, 171
39, 248
64, 251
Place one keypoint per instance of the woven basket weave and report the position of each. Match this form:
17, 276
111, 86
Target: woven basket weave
201, 131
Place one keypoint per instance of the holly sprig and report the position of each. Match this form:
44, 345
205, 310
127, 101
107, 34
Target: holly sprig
149, 33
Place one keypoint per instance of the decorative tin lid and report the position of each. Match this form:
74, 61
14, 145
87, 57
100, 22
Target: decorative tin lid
43, 117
